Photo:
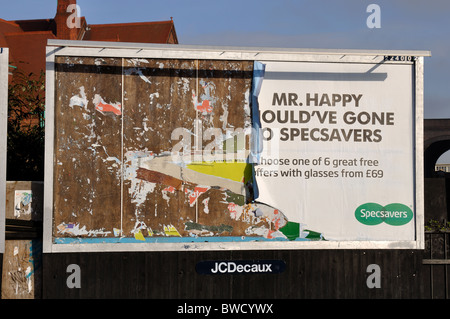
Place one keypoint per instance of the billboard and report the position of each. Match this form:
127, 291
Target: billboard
154, 147
3, 143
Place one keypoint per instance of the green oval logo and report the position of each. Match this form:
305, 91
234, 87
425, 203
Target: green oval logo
397, 214
370, 214
393, 214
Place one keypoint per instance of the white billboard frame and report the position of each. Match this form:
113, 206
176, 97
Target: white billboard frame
137, 50
4, 60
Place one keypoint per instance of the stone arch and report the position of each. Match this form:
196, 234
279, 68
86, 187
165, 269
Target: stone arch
436, 143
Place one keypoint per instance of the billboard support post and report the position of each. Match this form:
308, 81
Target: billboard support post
3, 140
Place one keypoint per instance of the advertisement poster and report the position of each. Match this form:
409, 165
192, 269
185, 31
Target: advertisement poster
337, 153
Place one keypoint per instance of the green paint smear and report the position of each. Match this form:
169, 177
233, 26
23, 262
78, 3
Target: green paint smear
314, 235
235, 198
196, 226
292, 231
248, 173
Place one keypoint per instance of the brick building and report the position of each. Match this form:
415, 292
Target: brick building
26, 39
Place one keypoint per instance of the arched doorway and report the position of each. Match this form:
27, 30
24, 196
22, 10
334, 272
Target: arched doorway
433, 152
436, 185
436, 141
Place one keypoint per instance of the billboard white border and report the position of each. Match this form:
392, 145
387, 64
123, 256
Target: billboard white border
4, 60
138, 50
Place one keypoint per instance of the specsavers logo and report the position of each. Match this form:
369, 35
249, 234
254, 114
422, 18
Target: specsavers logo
392, 214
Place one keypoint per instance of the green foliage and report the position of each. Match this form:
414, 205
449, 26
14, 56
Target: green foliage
435, 225
26, 106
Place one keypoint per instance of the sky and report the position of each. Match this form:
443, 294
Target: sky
328, 24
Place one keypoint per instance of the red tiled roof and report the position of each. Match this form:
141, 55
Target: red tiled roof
144, 32
27, 39
7, 27
35, 25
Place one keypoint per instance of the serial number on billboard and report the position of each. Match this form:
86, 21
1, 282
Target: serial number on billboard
400, 58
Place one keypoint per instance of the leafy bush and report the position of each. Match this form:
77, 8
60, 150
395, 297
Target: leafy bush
26, 106
435, 225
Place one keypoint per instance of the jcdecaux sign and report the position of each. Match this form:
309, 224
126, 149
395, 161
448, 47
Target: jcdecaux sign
240, 267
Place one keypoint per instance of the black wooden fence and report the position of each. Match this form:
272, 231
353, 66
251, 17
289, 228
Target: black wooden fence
435, 264
309, 274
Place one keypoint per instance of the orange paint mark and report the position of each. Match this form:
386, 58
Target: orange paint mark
276, 219
232, 208
102, 107
157, 177
170, 189
201, 189
204, 107
196, 193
